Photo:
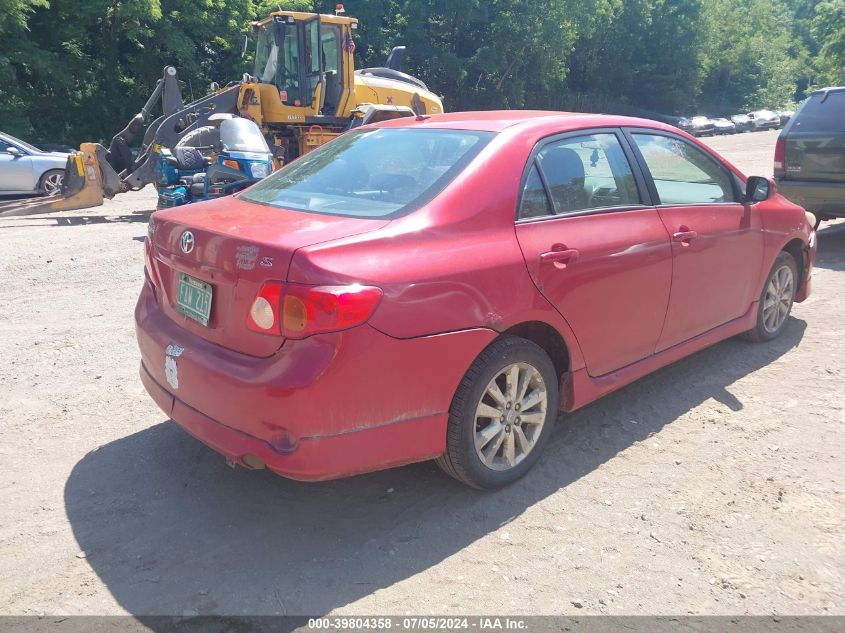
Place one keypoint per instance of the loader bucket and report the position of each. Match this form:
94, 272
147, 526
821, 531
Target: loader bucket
82, 186
88, 179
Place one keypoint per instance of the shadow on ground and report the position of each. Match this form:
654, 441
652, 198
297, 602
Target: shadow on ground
169, 529
80, 220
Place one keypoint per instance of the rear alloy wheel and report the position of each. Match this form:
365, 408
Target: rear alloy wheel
51, 182
502, 415
776, 299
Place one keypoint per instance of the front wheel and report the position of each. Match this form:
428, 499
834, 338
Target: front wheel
51, 182
776, 299
502, 415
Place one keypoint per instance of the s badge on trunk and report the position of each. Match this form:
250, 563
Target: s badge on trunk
186, 242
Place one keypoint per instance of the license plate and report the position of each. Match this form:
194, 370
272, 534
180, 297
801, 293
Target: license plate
194, 298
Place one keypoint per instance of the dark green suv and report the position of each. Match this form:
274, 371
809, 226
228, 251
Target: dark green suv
810, 155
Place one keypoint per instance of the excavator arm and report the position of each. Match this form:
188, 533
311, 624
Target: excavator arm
94, 172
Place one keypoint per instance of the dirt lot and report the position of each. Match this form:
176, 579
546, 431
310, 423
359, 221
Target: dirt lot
713, 486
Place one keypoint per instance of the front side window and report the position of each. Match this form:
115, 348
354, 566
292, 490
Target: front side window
312, 56
373, 173
331, 47
581, 173
682, 173
277, 60
23, 146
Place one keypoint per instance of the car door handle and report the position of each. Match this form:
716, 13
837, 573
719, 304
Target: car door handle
685, 236
560, 258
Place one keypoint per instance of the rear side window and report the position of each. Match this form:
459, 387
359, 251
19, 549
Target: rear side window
682, 173
534, 203
821, 115
371, 173
580, 173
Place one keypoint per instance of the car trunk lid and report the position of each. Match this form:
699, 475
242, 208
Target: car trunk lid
228, 248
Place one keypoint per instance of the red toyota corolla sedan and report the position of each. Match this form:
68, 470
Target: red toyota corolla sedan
440, 288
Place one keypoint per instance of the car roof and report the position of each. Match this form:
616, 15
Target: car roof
829, 89
498, 120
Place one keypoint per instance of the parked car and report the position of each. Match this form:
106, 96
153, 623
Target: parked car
742, 122
702, 126
685, 124
723, 126
56, 147
440, 287
764, 120
26, 169
784, 116
810, 155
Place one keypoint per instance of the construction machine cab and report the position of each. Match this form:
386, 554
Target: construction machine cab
303, 92
307, 58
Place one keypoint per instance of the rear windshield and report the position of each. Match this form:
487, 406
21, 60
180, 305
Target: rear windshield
822, 115
371, 173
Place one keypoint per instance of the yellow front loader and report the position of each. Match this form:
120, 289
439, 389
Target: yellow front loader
304, 91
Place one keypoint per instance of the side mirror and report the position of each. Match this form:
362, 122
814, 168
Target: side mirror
244, 46
14, 151
757, 189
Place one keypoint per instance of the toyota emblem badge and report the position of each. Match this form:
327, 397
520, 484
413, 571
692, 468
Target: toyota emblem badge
187, 242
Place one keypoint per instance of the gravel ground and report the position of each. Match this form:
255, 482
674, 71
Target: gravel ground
713, 486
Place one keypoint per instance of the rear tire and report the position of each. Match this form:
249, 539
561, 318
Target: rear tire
776, 299
514, 380
205, 136
51, 182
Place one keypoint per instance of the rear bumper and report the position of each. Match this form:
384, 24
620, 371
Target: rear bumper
327, 406
824, 198
314, 458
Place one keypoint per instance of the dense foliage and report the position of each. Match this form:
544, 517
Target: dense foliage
73, 70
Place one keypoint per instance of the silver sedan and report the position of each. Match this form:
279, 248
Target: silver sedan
26, 169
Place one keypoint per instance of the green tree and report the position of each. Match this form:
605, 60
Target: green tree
828, 28
74, 70
752, 58
641, 54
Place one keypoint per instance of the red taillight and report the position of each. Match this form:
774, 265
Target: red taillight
308, 310
149, 266
780, 156
296, 311
264, 314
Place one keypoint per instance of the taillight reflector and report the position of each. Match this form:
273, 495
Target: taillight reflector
309, 310
297, 311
